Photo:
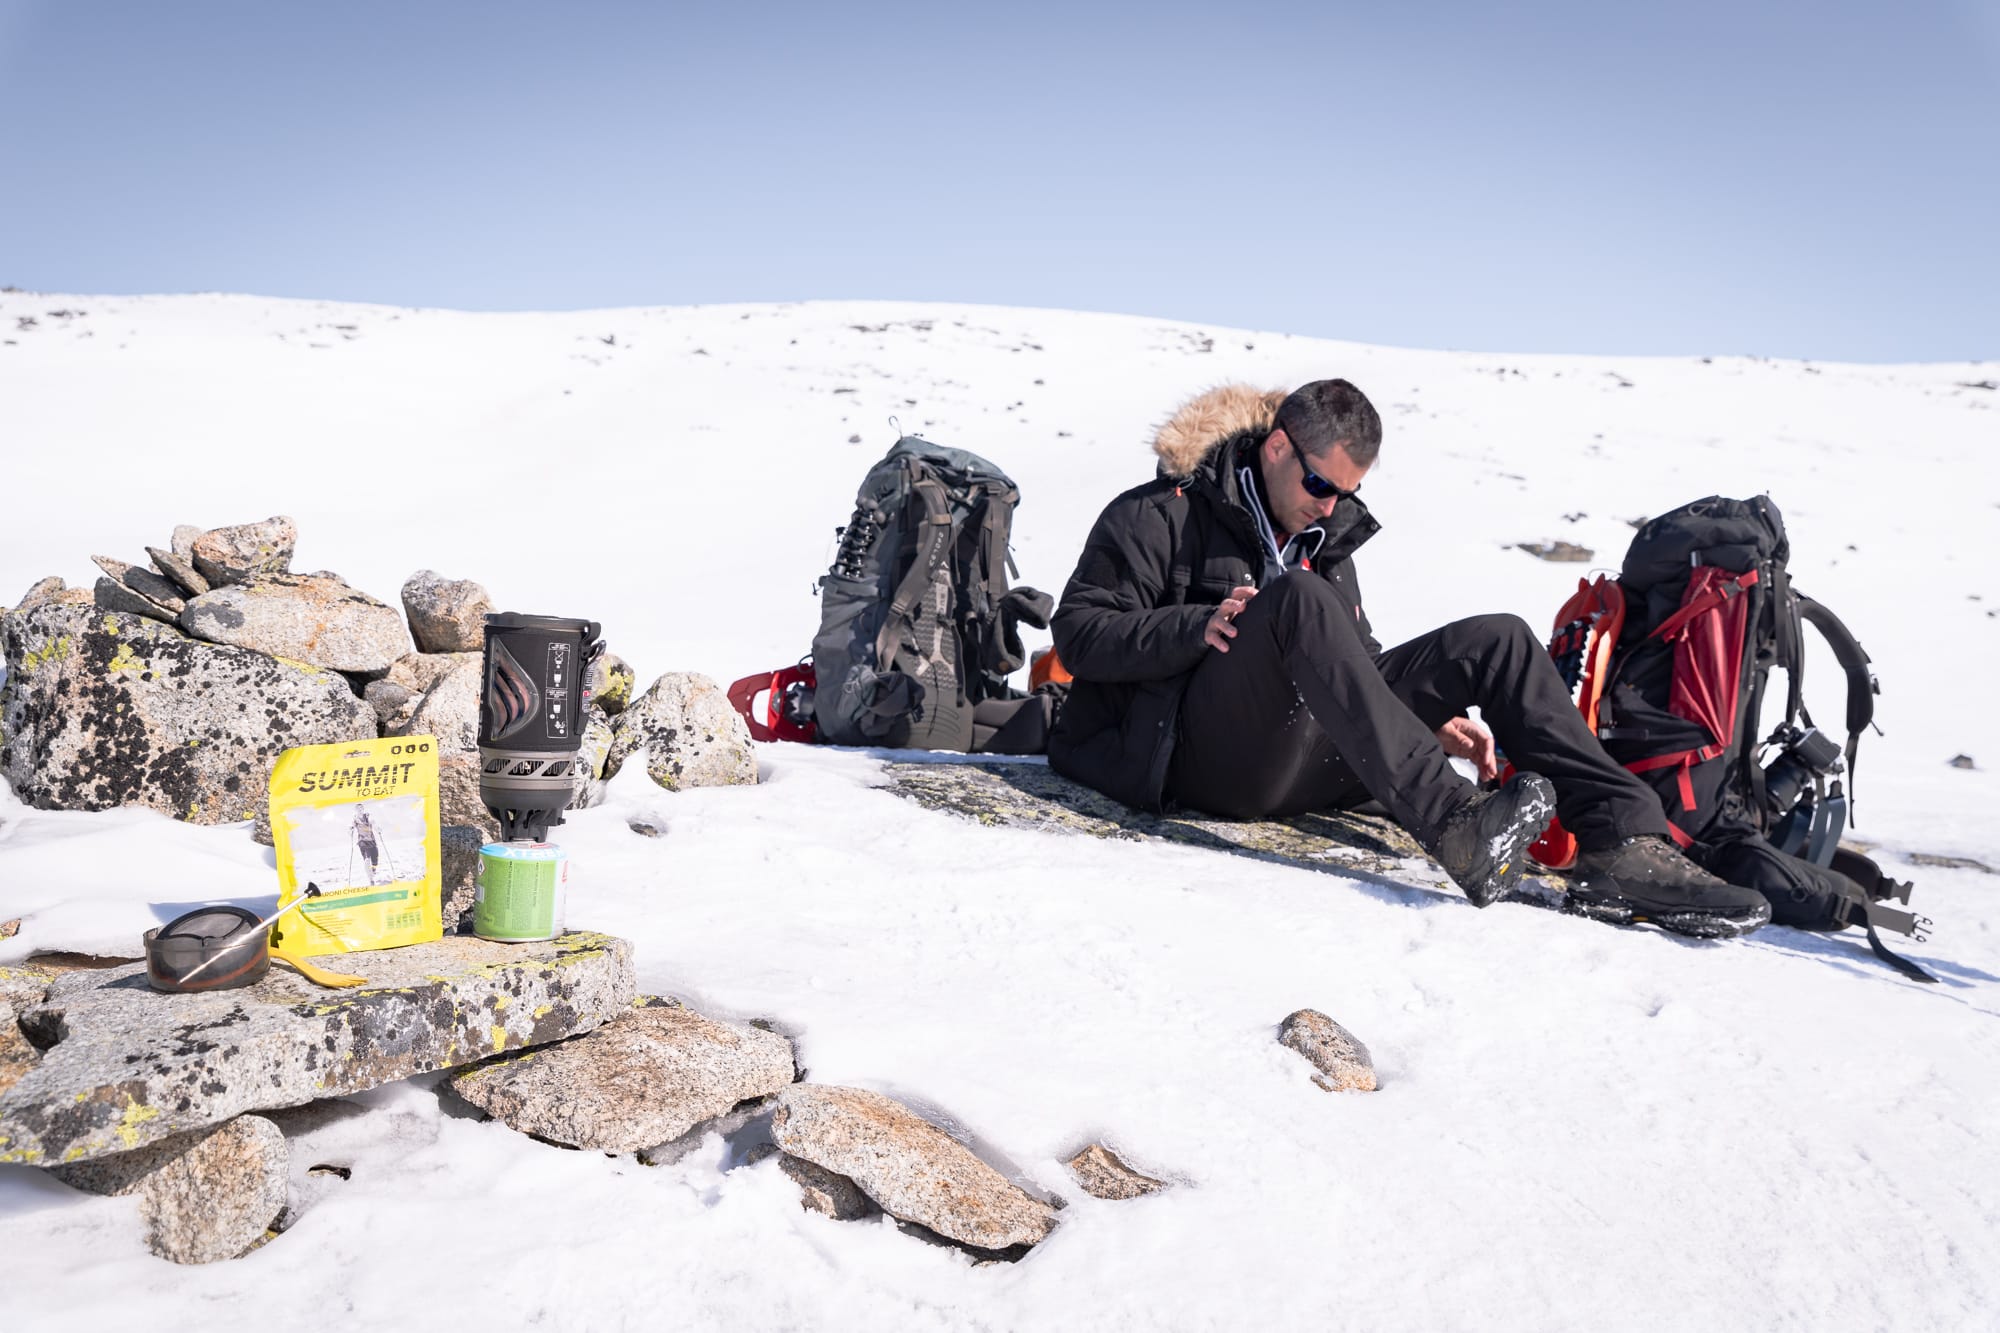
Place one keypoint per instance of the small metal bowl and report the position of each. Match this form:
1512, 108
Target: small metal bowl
210, 948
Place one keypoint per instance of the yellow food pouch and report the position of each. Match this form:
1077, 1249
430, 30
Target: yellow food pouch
358, 821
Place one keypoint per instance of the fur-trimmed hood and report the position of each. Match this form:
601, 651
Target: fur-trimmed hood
1200, 425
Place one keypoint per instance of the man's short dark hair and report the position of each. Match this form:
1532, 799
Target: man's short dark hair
1319, 415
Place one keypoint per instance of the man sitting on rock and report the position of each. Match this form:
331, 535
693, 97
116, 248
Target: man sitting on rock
1223, 662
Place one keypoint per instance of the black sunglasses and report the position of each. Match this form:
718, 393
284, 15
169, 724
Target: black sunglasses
1318, 487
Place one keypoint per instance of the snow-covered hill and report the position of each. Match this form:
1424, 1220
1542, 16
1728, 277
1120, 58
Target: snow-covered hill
1579, 1126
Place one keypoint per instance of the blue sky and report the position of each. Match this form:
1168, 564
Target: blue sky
1786, 179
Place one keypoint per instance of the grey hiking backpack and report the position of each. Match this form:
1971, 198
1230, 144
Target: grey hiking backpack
918, 627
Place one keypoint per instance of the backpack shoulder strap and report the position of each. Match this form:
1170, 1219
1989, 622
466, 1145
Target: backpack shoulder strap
932, 544
1862, 685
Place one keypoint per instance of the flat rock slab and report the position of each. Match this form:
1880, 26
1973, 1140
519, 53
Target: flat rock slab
125, 1065
645, 1078
1036, 797
913, 1169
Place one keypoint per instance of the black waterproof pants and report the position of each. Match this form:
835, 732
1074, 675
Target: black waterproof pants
1299, 716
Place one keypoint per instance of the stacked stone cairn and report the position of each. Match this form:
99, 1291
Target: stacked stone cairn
176, 684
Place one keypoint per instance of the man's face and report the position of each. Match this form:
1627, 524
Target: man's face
1291, 476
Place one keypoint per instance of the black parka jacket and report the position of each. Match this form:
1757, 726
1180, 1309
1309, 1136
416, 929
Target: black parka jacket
1157, 562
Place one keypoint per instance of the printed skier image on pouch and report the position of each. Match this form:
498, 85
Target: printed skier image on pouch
358, 843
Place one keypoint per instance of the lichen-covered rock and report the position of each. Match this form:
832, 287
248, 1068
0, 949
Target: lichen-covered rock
690, 735
180, 570
312, 618
446, 615
648, 1076
154, 588
913, 1169
17, 1054
611, 682
1104, 1175
206, 1195
21, 987
136, 1065
101, 709
243, 551
111, 595
591, 758
1342, 1060
829, 1192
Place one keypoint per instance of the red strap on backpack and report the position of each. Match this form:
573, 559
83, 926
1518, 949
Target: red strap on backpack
1586, 633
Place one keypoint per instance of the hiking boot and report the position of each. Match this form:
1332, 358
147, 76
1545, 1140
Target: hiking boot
1647, 879
1483, 845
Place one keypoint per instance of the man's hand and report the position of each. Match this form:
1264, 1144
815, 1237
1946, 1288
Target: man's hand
1462, 738
1220, 629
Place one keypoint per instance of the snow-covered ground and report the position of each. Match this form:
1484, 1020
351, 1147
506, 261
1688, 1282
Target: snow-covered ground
1578, 1126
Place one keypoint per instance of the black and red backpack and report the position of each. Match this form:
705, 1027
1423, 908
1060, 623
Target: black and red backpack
1669, 663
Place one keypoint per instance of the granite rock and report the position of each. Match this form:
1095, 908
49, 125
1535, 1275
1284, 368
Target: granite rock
458, 873
17, 1054
180, 570
611, 683
111, 595
393, 704
204, 1196
1343, 1062
828, 1192
1104, 1175
689, 734
1037, 797
591, 760
132, 1065
102, 709
243, 551
646, 1077
161, 592
312, 618
184, 538
446, 615
22, 986
913, 1169
449, 709
417, 672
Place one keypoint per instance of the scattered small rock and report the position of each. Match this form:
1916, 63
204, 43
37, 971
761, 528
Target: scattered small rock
1104, 1176
645, 828
1342, 1060
244, 551
1561, 552
1949, 862
646, 1077
205, 1195
1961, 761
828, 1192
913, 1169
689, 733
446, 615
